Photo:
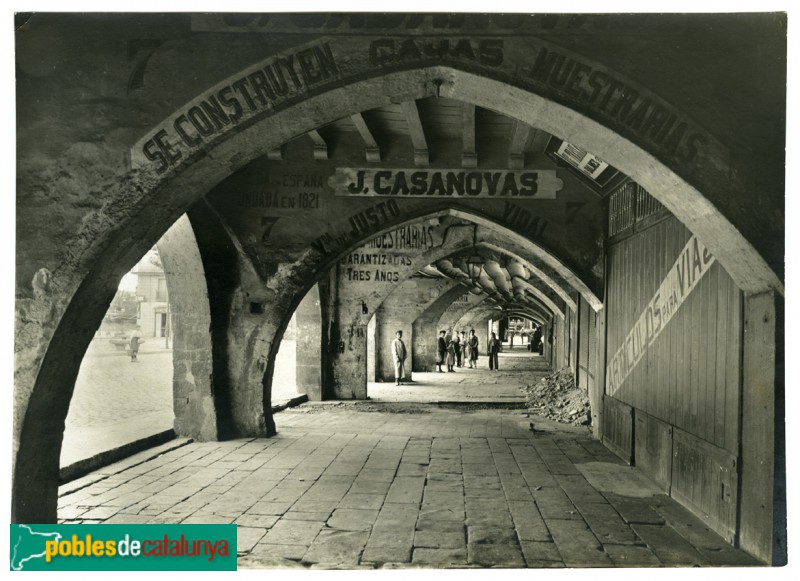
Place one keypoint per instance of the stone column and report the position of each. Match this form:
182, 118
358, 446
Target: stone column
309, 345
193, 399
347, 346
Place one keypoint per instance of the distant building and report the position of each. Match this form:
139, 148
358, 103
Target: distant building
151, 292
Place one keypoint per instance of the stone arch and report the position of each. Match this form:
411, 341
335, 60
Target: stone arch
455, 237
146, 204
525, 314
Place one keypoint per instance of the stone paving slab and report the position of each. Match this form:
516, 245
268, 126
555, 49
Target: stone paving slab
447, 539
389, 546
443, 488
541, 554
337, 547
670, 548
607, 525
632, 556
440, 556
577, 544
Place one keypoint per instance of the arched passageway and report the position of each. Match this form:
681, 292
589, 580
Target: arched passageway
282, 182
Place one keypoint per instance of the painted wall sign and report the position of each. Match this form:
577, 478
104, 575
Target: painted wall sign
487, 51
284, 192
692, 263
361, 223
364, 266
523, 61
459, 302
413, 237
612, 97
522, 220
436, 183
224, 106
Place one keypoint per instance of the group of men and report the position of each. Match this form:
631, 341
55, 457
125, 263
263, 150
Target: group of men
458, 351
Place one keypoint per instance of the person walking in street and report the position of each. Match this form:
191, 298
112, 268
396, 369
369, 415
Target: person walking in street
537, 340
457, 344
472, 342
399, 356
441, 350
135, 341
451, 353
493, 350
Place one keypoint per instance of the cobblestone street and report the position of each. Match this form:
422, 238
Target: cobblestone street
117, 402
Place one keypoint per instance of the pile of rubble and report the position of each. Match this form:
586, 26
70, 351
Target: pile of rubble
556, 398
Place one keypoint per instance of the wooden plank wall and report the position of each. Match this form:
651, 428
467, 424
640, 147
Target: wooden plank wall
653, 447
618, 428
690, 375
704, 477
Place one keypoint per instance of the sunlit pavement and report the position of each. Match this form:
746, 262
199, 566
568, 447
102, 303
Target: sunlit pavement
117, 401
517, 368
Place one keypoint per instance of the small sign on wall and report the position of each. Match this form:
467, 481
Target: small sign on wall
589, 168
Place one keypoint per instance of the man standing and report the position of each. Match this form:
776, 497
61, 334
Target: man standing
399, 356
135, 341
441, 350
457, 345
451, 353
537, 339
493, 350
472, 343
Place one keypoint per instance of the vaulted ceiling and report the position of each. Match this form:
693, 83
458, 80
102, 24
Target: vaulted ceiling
438, 122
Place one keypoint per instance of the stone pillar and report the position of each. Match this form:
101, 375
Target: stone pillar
193, 399
763, 481
371, 352
309, 345
349, 365
348, 340
244, 319
502, 329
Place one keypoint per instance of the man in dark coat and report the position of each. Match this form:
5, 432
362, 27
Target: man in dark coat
472, 350
537, 340
493, 350
441, 350
399, 357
